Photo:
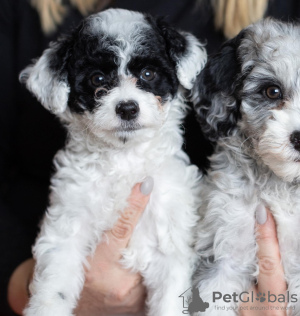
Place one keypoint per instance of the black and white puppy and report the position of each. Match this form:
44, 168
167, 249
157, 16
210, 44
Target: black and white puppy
117, 84
250, 106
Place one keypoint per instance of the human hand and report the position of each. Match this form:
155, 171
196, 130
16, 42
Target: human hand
271, 275
109, 288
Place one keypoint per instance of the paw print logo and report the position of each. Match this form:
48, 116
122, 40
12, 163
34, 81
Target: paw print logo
261, 297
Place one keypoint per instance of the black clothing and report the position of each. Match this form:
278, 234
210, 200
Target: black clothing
30, 135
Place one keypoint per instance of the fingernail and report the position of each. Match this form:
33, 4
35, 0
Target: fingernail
261, 214
147, 186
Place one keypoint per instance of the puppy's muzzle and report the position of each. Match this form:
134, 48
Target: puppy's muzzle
127, 110
295, 140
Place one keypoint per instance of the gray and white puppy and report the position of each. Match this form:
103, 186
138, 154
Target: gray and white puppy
249, 104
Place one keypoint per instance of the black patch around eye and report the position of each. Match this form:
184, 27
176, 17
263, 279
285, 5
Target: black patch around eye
83, 91
86, 96
90, 68
163, 83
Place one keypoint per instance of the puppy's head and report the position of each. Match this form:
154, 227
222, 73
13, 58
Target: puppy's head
116, 74
253, 85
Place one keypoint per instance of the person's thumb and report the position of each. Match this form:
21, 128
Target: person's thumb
120, 234
271, 274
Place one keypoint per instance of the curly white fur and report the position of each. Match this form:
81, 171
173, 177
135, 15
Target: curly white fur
102, 160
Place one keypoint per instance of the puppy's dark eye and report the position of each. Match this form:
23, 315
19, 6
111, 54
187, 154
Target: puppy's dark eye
147, 74
273, 92
97, 80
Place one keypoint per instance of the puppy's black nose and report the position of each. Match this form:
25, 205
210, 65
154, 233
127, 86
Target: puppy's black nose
295, 140
128, 110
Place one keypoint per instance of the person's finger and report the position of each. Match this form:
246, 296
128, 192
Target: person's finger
120, 234
17, 293
271, 274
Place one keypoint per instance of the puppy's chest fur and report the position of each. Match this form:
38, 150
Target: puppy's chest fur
93, 188
235, 186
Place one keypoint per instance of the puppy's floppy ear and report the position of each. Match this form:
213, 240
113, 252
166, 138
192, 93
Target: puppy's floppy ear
218, 103
47, 77
185, 51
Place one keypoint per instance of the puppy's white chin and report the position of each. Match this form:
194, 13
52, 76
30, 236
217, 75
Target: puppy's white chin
119, 137
138, 134
127, 135
280, 158
288, 171
127, 129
